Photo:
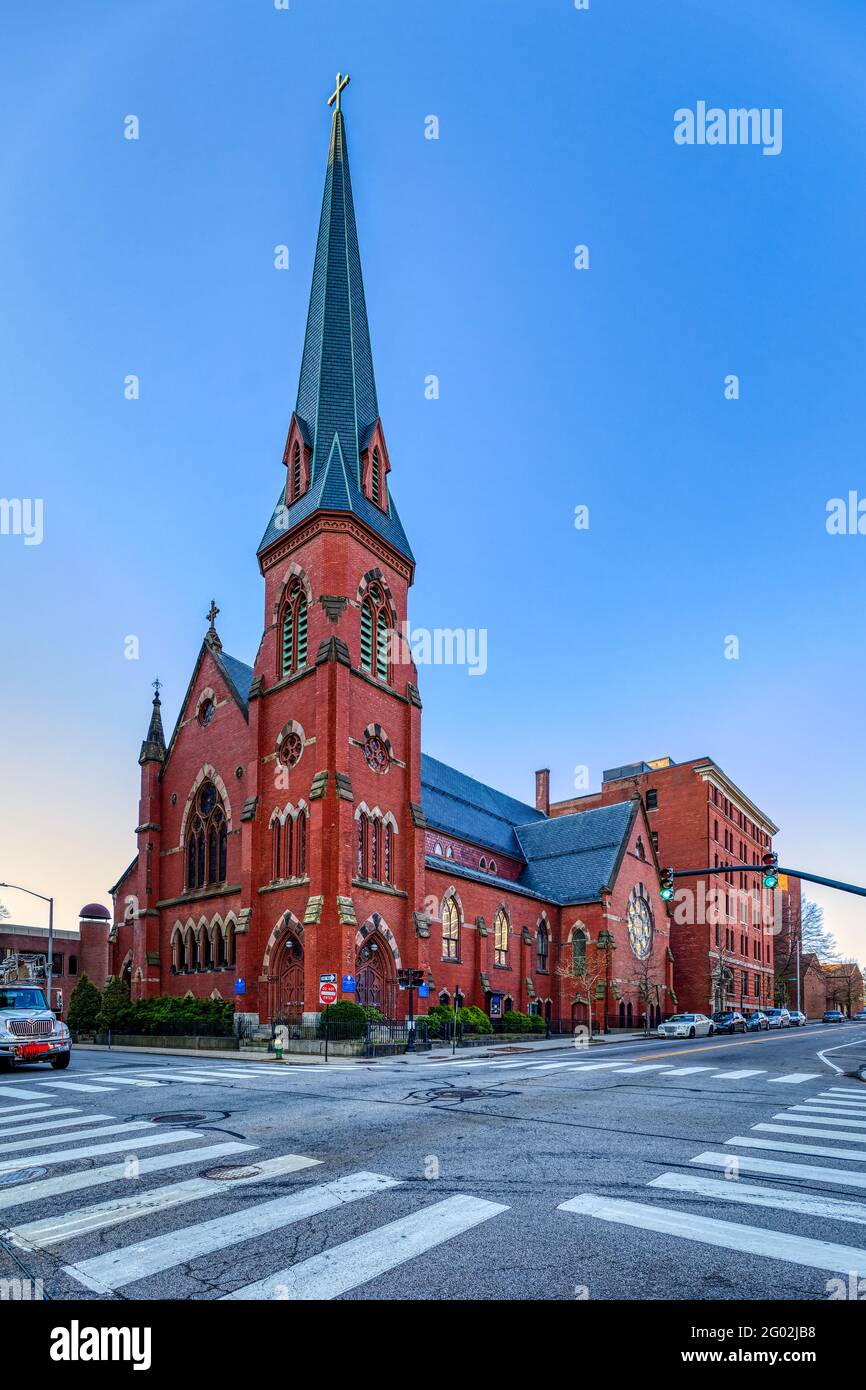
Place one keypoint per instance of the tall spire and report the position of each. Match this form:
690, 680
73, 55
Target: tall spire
337, 407
153, 748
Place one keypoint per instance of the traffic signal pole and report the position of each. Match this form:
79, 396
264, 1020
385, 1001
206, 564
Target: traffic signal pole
760, 868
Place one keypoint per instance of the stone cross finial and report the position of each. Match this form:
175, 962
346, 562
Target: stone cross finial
342, 84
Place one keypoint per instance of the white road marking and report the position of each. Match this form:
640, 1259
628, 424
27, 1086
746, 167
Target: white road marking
742, 1141
646, 1066
833, 1107
73, 1086
855, 1097
124, 1266
812, 1133
39, 1234
597, 1066
738, 1075
20, 1093
127, 1081
829, 1177
825, 1059
728, 1235
794, 1078
43, 1188
35, 1112
357, 1261
46, 1122
141, 1141
685, 1071
754, 1195
18, 1144
807, 1114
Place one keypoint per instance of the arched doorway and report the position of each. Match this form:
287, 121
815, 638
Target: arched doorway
376, 976
288, 975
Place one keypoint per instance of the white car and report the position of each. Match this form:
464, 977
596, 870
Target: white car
686, 1026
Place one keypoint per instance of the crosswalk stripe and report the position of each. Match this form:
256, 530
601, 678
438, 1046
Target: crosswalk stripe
684, 1071
44, 1122
832, 1107
19, 1093
191, 1081
43, 1188
848, 1092
73, 1086
753, 1194
141, 1141
221, 1075
597, 1066
738, 1075
18, 1144
646, 1066
124, 1266
729, 1235
806, 1115
743, 1141
357, 1261
39, 1234
831, 1177
127, 1081
793, 1128
794, 1078
35, 1112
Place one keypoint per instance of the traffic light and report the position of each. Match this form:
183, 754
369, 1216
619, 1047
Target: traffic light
417, 978
667, 885
771, 875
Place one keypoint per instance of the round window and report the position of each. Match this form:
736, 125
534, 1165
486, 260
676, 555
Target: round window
640, 927
291, 749
376, 753
206, 712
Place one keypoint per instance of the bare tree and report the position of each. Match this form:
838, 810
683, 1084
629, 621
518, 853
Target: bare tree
648, 989
806, 925
583, 970
841, 982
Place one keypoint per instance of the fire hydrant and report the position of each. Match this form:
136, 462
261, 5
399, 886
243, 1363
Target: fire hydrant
278, 1048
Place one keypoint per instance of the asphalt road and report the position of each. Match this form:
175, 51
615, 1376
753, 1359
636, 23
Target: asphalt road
724, 1168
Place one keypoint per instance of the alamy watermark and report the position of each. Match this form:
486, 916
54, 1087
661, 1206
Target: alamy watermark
22, 516
738, 125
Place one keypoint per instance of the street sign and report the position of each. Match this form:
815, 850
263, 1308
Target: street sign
240, 986
328, 979
423, 991
348, 985
327, 992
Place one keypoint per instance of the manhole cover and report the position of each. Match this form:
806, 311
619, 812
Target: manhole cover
21, 1175
229, 1174
449, 1094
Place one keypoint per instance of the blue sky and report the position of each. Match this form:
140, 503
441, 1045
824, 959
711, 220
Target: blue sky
558, 387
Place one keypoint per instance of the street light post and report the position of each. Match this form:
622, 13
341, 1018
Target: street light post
50, 901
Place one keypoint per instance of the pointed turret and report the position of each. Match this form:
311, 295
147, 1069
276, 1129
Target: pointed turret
336, 419
153, 748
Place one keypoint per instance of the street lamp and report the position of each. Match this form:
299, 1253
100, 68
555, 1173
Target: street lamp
50, 901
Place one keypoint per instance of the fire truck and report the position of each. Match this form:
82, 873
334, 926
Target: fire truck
29, 1030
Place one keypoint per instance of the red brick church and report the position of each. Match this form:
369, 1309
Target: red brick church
290, 825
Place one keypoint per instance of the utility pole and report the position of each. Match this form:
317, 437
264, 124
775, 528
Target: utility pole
50, 902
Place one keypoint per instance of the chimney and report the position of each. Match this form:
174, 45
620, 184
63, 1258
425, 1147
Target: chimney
542, 790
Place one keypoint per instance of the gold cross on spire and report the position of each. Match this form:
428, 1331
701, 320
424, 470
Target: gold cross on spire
342, 83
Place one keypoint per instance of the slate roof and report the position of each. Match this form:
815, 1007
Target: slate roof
238, 672
337, 406
566, 859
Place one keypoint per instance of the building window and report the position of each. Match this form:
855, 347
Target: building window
376, 754
374, 850
654, 834
206, 712
542, 945
375, 623
293, 653
207, 839
376, 479
652, 798
500, 938
301, 837
450, 930
449, 852
437, 849
297, 472
275, 851
482, 864
491, 867
363, 841
73, 965
578, 953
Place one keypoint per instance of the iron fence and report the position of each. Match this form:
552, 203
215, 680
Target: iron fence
373, 1039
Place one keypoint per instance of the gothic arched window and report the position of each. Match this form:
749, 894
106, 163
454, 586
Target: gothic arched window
293, 630
275, 868
450, 930
363, 844
207, 839
389, 853
578, 952
542, 943
376, 478
500, 938
297, 472
301, 837
375, 622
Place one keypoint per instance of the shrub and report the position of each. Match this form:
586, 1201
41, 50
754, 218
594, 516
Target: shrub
114, 1006
84, 1002
165, 1015
514, 1021
474, 1021
437, 1016
351, 1018
538, 1024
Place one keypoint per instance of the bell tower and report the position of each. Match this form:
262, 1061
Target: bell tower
333, 858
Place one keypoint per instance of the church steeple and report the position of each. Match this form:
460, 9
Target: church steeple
336, 421
153, 748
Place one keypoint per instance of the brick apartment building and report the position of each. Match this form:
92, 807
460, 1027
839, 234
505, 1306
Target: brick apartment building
722, 935
32, 944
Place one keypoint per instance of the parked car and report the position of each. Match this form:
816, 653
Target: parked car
686, 1026
860, 1015
728, 1021
833, 1016
778, 1018
29, 1030
798, 1020
757, 1022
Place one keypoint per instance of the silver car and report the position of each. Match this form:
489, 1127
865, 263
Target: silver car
798, 1020
686, 1026
778, 1018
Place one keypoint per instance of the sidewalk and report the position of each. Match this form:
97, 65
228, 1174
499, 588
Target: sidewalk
564, 1042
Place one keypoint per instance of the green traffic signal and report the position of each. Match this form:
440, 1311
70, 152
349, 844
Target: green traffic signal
667, 893
771, 879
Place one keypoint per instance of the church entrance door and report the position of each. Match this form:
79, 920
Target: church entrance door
376, 977
289, 981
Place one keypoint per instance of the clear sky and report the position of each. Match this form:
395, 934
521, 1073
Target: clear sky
558, 388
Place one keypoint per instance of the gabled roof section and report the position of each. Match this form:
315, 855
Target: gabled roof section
459, 805
571, 858
337, 406
238, 677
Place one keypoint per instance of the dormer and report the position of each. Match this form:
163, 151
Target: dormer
296, 457
375, 467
